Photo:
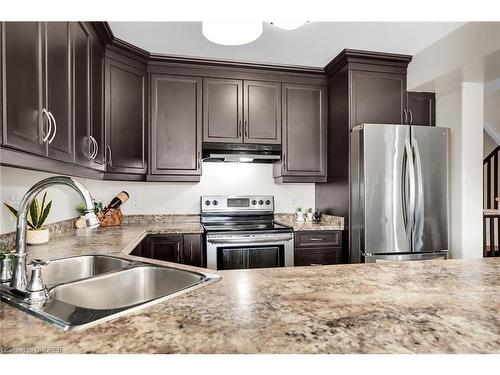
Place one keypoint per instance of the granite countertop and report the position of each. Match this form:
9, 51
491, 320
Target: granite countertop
328, 222
450, 306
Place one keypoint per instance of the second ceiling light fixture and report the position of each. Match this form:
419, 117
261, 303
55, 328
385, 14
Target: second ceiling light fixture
243, 32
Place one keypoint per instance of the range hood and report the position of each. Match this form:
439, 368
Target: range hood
241, 153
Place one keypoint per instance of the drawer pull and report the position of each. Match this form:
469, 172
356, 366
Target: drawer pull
316, 239
317, 264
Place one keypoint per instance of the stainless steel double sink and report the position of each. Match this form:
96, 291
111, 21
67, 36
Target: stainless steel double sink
85, 290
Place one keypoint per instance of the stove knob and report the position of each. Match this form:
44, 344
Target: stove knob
261, 202
207, 202
254, 202
215, 203
268, 202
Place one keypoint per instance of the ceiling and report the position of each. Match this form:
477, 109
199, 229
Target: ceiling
314, 44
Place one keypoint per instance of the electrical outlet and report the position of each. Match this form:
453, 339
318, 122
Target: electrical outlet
133, 202
294, 202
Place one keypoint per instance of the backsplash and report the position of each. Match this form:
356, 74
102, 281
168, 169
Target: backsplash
158, 198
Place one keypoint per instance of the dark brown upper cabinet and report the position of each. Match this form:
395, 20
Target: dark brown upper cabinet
262, 112
176, 127
80, 43
26, 124
222, 110
97, 102
37, 93
125, 118
304, 134
378, 97
421, 108
58, 88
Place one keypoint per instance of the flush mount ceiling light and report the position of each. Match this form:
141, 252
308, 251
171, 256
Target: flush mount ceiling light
232, 33
289, 24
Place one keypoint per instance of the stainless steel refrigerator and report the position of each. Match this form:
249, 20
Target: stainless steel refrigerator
399, 192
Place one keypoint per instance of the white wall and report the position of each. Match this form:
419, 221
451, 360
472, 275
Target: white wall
462, 111
159, 197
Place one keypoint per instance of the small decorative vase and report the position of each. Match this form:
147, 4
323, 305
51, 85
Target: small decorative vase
309, 216
37, 236
80, 222
300, 216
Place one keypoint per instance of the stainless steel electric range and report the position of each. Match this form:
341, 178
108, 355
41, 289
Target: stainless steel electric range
240, 233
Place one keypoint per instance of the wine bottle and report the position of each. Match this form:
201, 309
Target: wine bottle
117, 201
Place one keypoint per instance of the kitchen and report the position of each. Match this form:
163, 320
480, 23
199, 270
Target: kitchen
239, 202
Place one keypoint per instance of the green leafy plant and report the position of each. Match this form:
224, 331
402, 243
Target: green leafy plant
309, 210
82, 210
299, 209
38, 212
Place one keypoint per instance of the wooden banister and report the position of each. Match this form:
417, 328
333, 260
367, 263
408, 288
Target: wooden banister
491, 215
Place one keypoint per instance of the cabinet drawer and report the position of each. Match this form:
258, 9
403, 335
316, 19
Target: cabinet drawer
318, 256
318, 239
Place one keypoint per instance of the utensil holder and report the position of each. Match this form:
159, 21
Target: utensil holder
111, 218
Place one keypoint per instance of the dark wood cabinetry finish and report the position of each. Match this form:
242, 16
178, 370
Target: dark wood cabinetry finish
304, 134
421, 107
318, 248
176, 127
125, 118
177, 248
58, 88
378, 97
97, 100
80, 37
222, 110
24, 124
262, 112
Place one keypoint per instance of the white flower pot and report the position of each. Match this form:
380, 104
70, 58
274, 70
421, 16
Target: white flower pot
37, 237
309, 216
300, 216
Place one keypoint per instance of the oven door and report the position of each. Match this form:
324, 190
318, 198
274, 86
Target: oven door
254, 251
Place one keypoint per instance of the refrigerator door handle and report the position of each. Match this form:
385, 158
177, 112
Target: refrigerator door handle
419, 193
410, 175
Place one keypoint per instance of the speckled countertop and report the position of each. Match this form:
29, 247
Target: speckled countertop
408, 307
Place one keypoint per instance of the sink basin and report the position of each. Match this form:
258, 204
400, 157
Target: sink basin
64, 270
90, 289
126, 288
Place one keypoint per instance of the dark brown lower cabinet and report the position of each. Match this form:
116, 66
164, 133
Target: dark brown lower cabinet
177, 248
318, 248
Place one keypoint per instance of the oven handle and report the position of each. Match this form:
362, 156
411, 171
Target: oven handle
248, 240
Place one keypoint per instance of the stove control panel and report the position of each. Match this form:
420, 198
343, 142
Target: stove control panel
223, 203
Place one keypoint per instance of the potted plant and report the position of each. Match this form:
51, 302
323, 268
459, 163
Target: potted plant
309, 214
80, 222
300, 214
38, 213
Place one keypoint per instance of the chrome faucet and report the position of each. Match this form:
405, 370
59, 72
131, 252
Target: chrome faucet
19, 279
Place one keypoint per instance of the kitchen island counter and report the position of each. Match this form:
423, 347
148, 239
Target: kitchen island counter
438, 306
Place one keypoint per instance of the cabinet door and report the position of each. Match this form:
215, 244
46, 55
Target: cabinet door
304, 130
167, 248
97, 89
262, 112
24, 124
58, 88
175, 125
222, 110
421, 108
192, 250
377, 98
80, 39
125, 118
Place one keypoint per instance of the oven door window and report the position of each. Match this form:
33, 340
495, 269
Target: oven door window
231, 258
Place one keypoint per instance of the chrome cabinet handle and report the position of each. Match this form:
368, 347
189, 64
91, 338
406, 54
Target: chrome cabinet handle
284, 161
55, 127
44, 139
406, 116
93, 149
246, 129
239, 128
316, 239
96, 147
199, 159
110, 160
411, 116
